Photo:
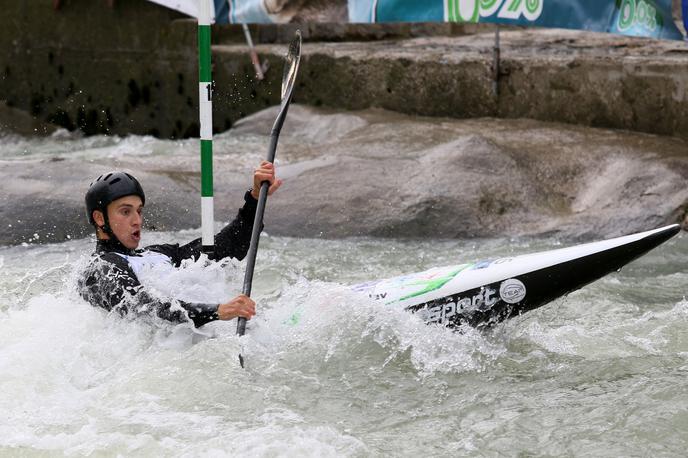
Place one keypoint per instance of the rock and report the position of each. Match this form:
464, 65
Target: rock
378, 173
14, 121
420, 177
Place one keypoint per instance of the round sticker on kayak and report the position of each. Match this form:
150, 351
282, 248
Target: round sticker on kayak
512, 291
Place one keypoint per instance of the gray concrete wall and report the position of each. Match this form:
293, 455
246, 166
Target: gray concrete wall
590, 79
133, 69
127, 69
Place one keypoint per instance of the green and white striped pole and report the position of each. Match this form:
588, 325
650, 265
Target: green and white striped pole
205, 104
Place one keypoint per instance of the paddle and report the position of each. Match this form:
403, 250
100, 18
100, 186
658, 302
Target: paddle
291, 68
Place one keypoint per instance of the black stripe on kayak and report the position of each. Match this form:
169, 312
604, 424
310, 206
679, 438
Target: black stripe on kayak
484, 306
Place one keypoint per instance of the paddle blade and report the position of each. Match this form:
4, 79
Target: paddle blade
291, 66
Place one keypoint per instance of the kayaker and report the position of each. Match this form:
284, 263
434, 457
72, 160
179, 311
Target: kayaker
114, 204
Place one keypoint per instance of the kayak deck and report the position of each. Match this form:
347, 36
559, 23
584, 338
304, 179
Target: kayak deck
487, 292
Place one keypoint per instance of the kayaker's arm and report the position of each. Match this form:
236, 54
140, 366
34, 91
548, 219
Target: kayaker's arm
110, 283
234, 240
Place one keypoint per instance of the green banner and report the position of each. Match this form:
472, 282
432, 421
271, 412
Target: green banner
646, 18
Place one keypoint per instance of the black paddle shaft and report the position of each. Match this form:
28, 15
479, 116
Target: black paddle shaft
290, 71
257, 225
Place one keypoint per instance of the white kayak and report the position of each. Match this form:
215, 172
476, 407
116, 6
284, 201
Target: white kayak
486, 292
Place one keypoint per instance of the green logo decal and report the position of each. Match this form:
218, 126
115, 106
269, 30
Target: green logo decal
463, 10
432, 284
294, 319
643, 14
533, 5
626, 14
473, 10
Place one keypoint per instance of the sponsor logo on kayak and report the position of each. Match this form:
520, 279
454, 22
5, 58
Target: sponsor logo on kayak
512, 291
410, 286
484, 299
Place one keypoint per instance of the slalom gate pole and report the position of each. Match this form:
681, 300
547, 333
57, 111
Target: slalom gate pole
205, 104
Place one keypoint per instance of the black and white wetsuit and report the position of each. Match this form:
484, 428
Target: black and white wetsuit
111, 278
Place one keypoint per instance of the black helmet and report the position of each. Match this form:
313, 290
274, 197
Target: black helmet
109, 187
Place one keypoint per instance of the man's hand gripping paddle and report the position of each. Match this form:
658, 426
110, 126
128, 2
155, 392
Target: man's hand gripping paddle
291, 68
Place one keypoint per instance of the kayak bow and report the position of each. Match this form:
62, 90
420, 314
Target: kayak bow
487, 292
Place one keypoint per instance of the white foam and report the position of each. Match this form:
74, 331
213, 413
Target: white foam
346, 375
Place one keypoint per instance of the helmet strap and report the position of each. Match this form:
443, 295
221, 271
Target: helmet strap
106, 226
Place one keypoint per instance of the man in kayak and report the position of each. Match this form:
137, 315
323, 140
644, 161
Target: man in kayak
114, 204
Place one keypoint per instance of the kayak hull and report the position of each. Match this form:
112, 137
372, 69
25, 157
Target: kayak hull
488, 292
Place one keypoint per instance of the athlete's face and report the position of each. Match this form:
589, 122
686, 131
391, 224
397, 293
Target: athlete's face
126, 218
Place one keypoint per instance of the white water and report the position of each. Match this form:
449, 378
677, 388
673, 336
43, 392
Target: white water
601, 373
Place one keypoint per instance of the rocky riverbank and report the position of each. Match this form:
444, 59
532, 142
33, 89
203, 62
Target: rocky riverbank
375, 173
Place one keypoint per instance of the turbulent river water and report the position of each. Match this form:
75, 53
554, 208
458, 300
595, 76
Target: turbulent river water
599, 373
